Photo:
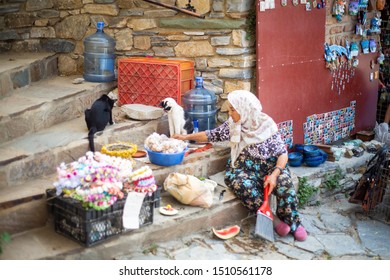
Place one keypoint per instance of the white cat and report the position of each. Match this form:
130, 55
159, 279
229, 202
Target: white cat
179, 120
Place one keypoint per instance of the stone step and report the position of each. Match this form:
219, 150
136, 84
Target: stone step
38, 154
18, 70
45, 243
46, 103
24, 207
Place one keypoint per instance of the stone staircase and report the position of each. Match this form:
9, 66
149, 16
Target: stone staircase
42, 124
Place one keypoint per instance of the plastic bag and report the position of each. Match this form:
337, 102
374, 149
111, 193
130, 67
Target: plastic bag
382, 133
190, 190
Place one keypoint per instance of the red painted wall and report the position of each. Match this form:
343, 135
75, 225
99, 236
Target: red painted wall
292, 80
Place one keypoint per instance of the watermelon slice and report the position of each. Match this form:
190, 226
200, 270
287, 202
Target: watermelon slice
228, 232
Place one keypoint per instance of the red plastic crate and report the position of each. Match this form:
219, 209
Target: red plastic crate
149, 80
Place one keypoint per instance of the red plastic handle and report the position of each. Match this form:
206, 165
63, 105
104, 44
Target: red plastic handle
265, 208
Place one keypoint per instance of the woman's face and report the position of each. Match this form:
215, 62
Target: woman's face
233, 113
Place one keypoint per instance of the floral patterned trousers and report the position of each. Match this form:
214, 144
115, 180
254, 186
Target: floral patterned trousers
246, 180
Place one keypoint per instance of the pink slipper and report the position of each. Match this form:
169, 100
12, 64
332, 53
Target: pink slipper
282, 229
300, 234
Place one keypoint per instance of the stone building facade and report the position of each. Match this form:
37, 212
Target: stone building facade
219, 44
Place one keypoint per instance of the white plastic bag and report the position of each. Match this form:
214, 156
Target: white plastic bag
382, 133
190, 190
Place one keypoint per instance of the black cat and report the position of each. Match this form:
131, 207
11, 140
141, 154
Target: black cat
98, 117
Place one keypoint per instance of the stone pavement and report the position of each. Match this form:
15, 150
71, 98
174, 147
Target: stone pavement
337, 230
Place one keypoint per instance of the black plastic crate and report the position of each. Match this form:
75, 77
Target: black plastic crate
89, 226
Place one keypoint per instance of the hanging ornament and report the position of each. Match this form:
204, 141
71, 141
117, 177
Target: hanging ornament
365, 46
353, 7
372, 45
363, 4
338, 10
375, 24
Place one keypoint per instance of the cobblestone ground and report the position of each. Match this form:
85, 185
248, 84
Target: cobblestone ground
337, 230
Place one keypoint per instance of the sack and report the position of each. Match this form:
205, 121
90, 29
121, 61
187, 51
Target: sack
190, 190
369, 190
382, 133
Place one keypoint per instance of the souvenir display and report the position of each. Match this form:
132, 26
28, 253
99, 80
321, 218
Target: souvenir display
329, 127
338, 10
94, 179
375, 24
365, 46
286, 131
381, 58
363, 4
341, 61
141, 180
372, 45
354, 49
342, 76
353, 7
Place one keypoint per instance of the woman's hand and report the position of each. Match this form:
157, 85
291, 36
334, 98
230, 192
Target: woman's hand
271, 181
179, 137
197, 137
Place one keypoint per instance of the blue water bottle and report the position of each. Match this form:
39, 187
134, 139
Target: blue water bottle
99, 56
200, 104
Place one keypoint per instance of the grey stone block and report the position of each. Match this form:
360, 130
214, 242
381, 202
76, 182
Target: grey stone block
142, 112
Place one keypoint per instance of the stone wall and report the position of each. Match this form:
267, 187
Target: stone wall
217, 44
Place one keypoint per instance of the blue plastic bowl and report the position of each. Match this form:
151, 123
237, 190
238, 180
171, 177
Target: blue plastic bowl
324, 155
299, 147
311, 151
314, 161
295, 159
295, 163
295, 156
165, 159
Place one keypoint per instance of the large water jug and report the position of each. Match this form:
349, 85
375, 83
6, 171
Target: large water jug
99, 56
200, 104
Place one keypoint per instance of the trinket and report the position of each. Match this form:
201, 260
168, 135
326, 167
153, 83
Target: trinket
353, 8
372, 45
365, 46
338, 9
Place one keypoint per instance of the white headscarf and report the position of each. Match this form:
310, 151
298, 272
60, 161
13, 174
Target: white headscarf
253, 127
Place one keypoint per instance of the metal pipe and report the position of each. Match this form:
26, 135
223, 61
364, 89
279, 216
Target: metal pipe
175, 8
